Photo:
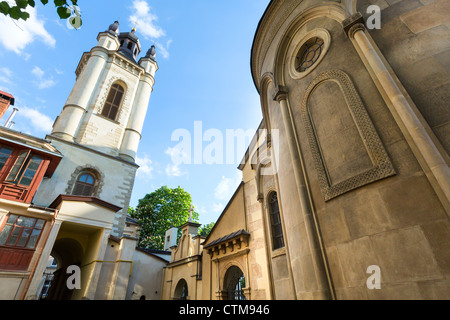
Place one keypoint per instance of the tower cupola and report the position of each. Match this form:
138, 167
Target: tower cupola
129, 44
114, 28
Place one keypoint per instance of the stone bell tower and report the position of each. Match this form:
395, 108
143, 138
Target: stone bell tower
99, 128
108, 103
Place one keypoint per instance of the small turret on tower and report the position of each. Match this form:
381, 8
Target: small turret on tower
151, 53
114, 28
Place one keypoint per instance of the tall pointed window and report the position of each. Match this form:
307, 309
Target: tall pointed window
85, 185
113, 102
275, 222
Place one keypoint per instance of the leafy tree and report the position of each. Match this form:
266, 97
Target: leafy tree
206, 229
63, 8
159, 211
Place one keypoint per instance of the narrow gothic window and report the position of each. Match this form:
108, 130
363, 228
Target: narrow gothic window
275, 222
113, 102
84, 186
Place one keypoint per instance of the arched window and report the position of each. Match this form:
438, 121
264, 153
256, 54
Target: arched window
113, 102
275, 222
85, 185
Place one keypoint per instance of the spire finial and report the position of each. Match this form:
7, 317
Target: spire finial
135, 25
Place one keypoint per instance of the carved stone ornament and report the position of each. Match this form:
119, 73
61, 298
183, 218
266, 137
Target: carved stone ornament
381, 164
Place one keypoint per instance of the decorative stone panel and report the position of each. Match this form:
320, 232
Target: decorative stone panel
368, 162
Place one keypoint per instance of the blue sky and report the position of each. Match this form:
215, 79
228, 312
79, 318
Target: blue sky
203, 52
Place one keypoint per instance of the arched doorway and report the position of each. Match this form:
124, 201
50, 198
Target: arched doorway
47, 277
234, 284
181, 290
67, 252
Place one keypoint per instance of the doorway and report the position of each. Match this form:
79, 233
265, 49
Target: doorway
234, 284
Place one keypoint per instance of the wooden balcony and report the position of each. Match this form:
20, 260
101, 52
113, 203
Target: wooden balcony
13, 192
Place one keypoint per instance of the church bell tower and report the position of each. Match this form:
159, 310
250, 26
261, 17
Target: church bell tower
108, 103
99, 128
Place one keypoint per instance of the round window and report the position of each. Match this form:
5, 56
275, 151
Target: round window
307, 51
308, 54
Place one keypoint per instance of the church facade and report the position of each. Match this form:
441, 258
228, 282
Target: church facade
345, 187
345, 193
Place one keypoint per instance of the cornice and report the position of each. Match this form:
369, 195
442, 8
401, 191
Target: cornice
257, 40
267, 28
118, 59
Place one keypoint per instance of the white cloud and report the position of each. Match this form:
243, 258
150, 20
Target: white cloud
37, 72
226, 187
173, 170
5, 75
200, 209
41, 82
38, 120
146, 24
5, 71
163, 49
146, 166
46, 83
40, 100
177, 155
217, 207
16, 35
145, 20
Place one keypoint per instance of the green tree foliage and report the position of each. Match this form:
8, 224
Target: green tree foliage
206, 229
159, 211
63, 8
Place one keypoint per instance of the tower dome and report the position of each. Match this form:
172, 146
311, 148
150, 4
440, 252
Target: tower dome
129, 44
114, 28
151, 53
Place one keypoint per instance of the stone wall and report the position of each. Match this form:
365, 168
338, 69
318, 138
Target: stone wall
117, 175
415, 39
393, 220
